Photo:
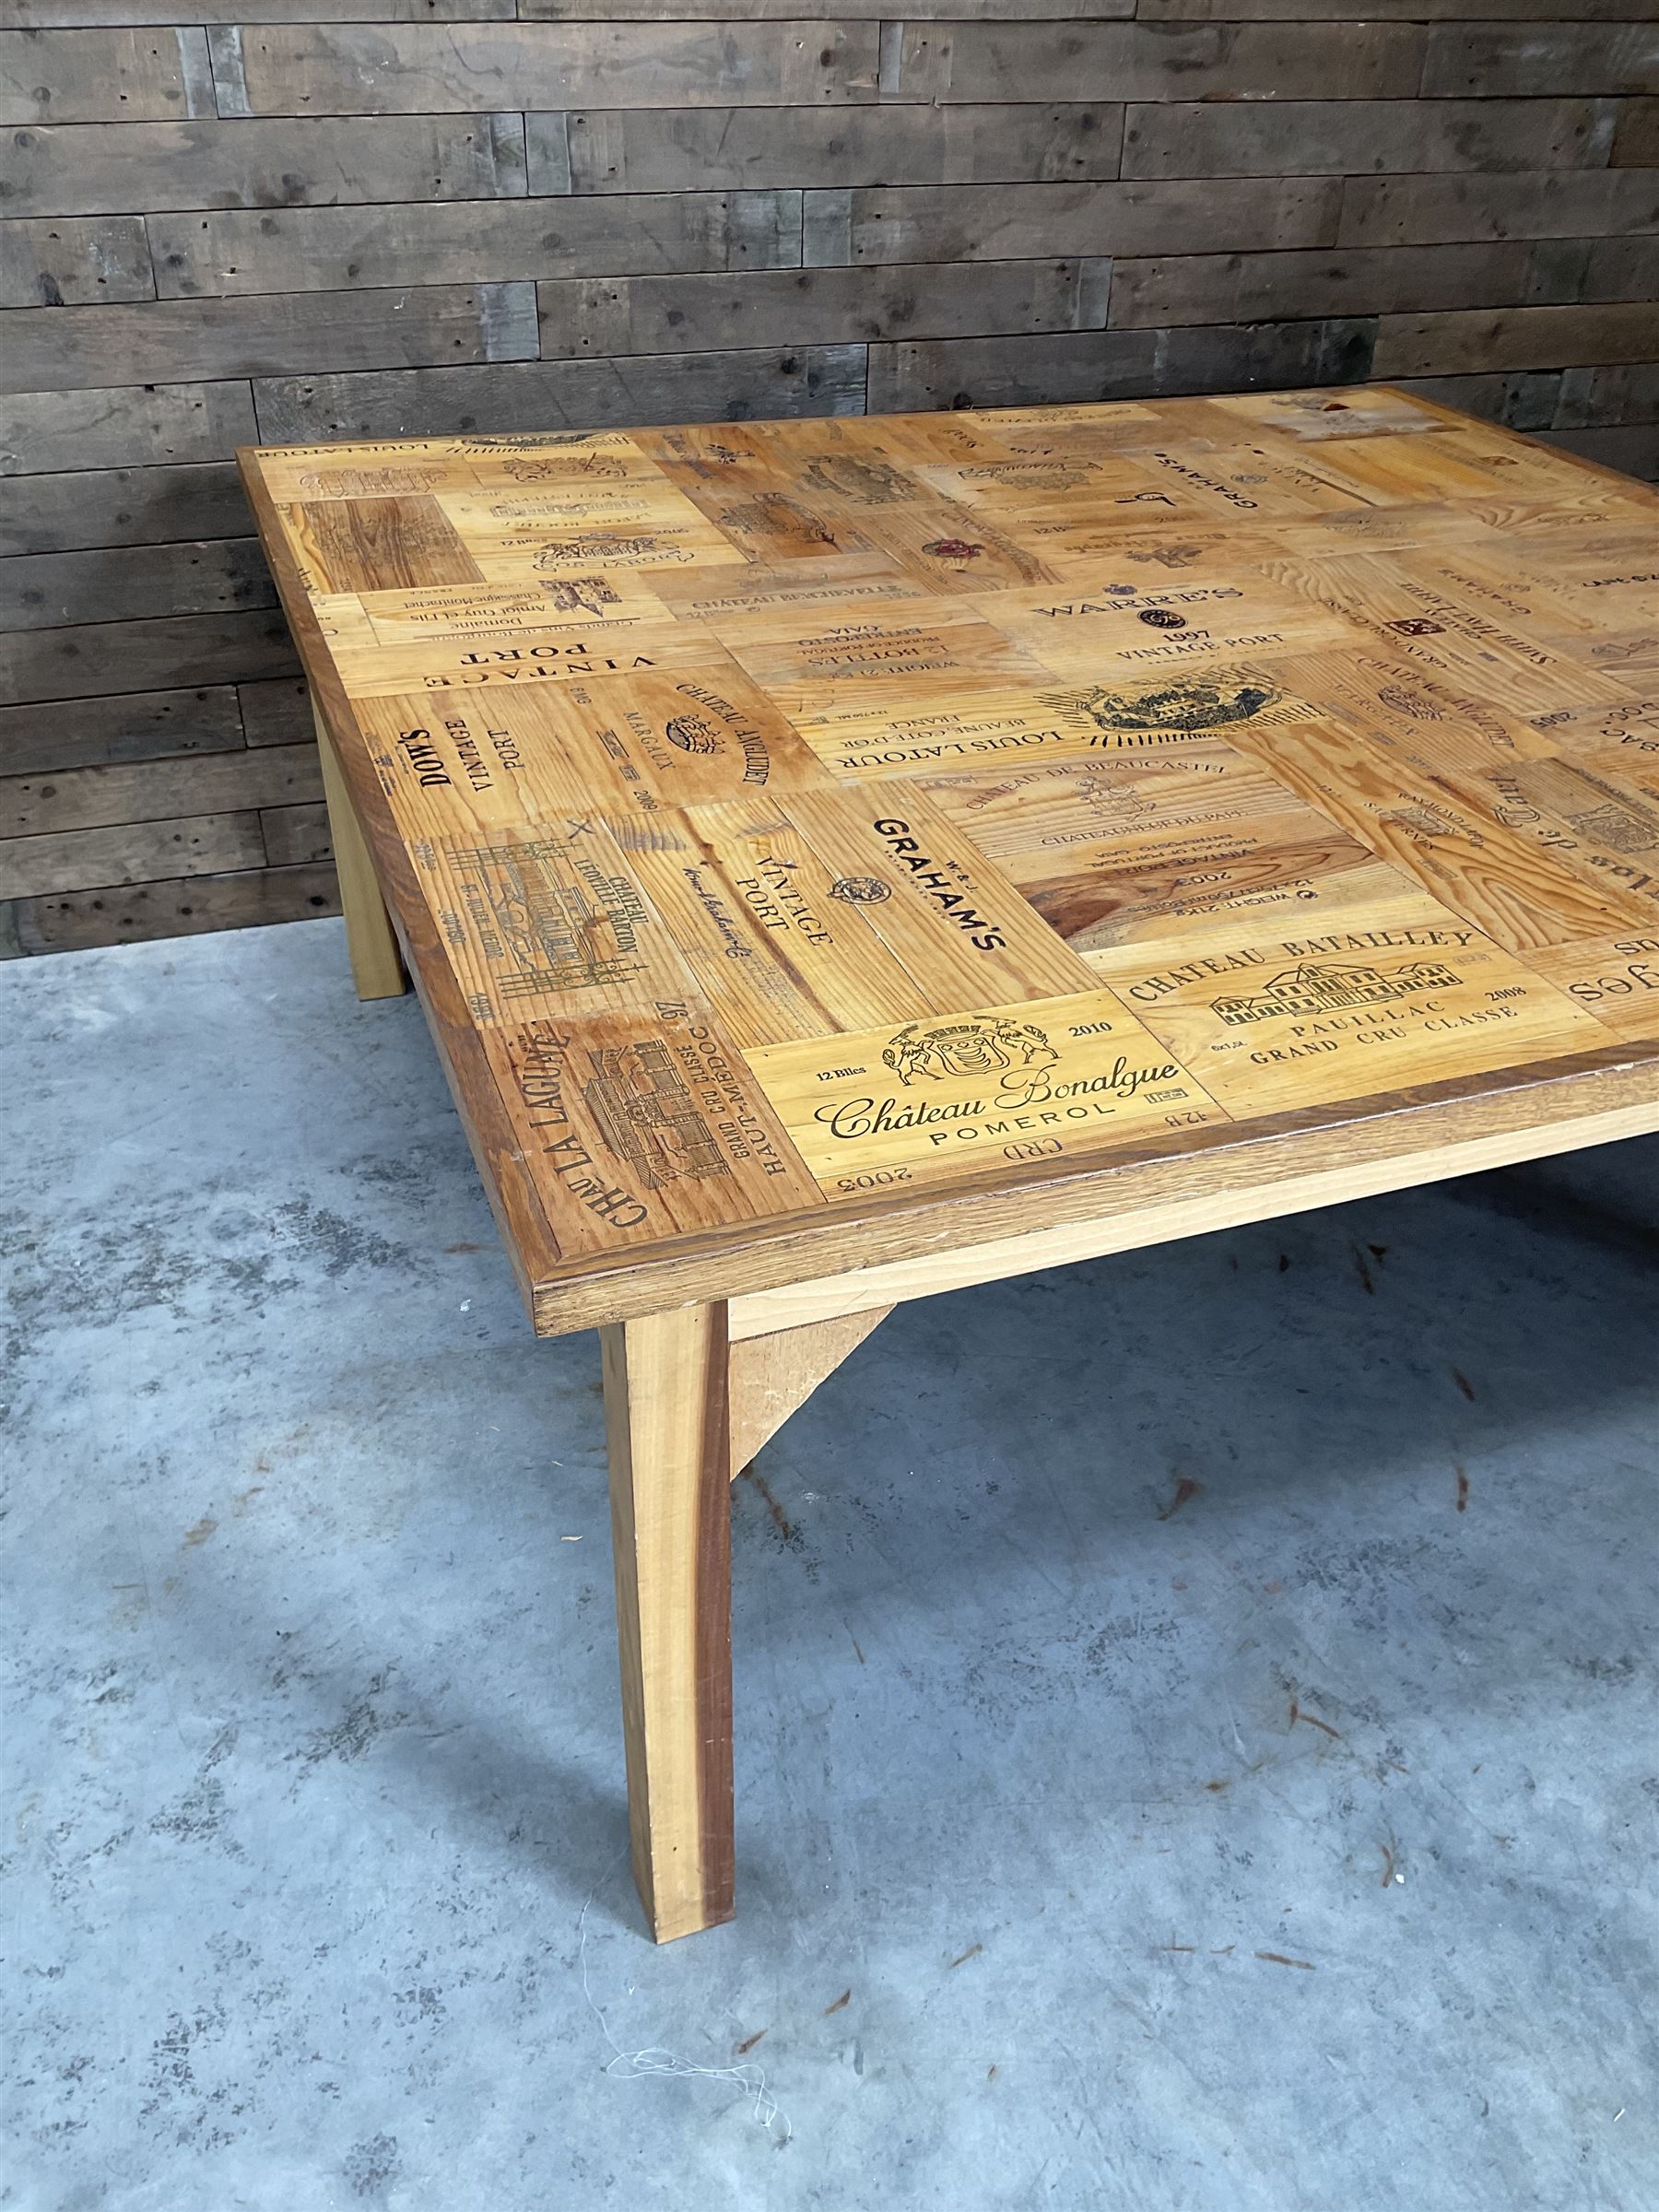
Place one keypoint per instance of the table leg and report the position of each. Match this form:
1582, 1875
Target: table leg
377, 966
667, 1424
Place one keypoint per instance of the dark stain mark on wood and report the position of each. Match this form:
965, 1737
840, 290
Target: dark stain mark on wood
1463, 1384
840, 2005
748, 2042
1278, 1959
1463, 1491
972, 1951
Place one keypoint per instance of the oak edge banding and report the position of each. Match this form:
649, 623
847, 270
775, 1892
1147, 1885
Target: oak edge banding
1240, 1159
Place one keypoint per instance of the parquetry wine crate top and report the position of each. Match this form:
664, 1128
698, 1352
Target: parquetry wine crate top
797, 819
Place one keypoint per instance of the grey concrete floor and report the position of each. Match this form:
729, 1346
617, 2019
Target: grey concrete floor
1287, 1842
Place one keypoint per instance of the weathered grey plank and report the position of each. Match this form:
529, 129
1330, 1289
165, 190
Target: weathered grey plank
1012, 371
708, 149
287, 161
75, 260
1607, 398
1116, 364
713, 387
294, 835
1004, 222
122, 507
1636, 145
1520, 337
268, 334
1265, 356
103, 75
147, 726
1392, 11
1160, 61
346, 249
134, 852
1622, 268
1400, 211
1352, 137
123, 426
1632, 446
129, 583
276, 711
157, 790
1549, 59
1525, 401
98, 659
1267, 288
72, 921
754, 11
808, 306
429, 68
43, 13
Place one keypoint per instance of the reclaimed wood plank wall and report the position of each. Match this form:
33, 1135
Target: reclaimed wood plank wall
223, 220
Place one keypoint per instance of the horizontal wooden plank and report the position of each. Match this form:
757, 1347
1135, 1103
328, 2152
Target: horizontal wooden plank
181, 906
1636, 142
122, 507
1267, 288
1523, 400
1159, 61
272, 333
1117, 364
344, 249
287, 161
1003, 222
294, 835
1420, 211
97, 659
69, 12
128, 584
809, 307
429, 68
1608, 398
276, 710
155, 790
1632, 446
1549, 59
1352, 137
79, 860
66, 261
715, 387
754, 11
1012, 371
1392, 11
142, 725
1520, 337
716, 149
123, 426
115, 75
1622, 268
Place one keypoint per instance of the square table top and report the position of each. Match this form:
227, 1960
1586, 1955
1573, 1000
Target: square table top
843, 836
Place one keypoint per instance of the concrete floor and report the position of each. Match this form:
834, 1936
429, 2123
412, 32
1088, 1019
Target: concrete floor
1104, 1841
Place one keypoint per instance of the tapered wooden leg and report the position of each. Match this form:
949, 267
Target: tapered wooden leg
377, 966
667, 1427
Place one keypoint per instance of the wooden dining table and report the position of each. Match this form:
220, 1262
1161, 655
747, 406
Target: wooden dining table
845, 859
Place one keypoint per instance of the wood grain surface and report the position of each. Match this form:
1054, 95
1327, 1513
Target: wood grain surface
812, 837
